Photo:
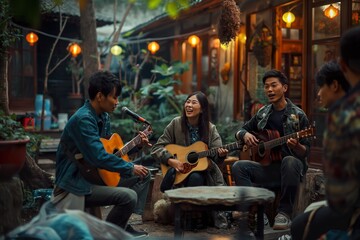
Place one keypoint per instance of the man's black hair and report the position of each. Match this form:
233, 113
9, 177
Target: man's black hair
104, 82
329, 72
350, 49
277, 74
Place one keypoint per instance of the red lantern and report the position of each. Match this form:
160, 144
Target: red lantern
74, 49
32, 38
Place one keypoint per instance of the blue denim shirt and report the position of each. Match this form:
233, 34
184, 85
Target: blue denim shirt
294, 121
82, 134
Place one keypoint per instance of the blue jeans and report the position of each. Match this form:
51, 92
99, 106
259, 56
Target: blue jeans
285, 175
142, 189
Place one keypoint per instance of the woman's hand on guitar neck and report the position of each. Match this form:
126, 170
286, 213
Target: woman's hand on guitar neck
179, 167
140, 170
250, 140
222, 152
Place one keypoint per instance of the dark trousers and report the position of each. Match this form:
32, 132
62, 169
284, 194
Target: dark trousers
285, 175
127, 199
324, 220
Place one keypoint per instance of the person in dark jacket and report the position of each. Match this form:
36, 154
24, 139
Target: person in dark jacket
284, 170
80, 141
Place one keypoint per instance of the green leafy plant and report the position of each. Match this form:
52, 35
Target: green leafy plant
157, 102
10, 128
13, 130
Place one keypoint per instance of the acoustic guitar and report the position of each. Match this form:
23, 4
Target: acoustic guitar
115, 145
269, 139
194, 157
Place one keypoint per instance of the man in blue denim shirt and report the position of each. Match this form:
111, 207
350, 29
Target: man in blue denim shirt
82, 135
286, 172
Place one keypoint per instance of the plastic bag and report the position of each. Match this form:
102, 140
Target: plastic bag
56, 224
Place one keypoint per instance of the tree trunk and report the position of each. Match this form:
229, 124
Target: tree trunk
89, 41
33, 176
4, 96
11, 197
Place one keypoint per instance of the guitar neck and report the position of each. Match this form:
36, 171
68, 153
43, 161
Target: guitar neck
280, 141
213, 151
128, 146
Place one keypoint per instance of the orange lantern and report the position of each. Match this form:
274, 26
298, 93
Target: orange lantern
153, 47
32, 38
193, 40
331, 11
74, 49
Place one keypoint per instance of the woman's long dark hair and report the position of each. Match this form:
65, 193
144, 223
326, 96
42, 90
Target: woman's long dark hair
204, 117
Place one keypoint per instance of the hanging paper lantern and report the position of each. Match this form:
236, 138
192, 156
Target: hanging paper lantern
74, 49
288, 18
116, 50
153, 47
193, 40
32, 38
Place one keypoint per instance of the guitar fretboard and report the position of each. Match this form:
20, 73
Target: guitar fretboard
131, 144
213, 151
279, 141
309, 132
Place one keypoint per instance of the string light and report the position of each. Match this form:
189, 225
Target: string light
116, 50
32, 38
74, 49
153, 47
193, 40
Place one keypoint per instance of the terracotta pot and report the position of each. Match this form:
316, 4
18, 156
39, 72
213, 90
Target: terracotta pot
12, 157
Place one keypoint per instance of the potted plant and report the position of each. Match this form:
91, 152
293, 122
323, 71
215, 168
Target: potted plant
13, 140
262, 44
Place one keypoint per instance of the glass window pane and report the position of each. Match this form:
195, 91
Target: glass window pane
326, 26
355, 15
321, 53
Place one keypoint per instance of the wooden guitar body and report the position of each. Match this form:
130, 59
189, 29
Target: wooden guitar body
260, 153
269, 147
112, 145
194, 157
187, 155
115, 145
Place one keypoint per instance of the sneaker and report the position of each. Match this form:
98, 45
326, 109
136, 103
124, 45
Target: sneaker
135, 233
266, 220
135, 219
282, 222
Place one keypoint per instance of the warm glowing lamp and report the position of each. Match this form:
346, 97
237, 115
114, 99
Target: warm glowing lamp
224, 46
74, 49
116, 50
153, 47
216, 43
193, 40
288, 18
32, 38
242, 37
331, 11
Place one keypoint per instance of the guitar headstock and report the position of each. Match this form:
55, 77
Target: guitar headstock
308, 132
148, 130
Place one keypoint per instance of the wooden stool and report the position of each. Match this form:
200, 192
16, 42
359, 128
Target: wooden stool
227, 171
153, 196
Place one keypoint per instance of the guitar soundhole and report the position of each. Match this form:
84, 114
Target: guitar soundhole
115, 151
261, 149
192, 157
